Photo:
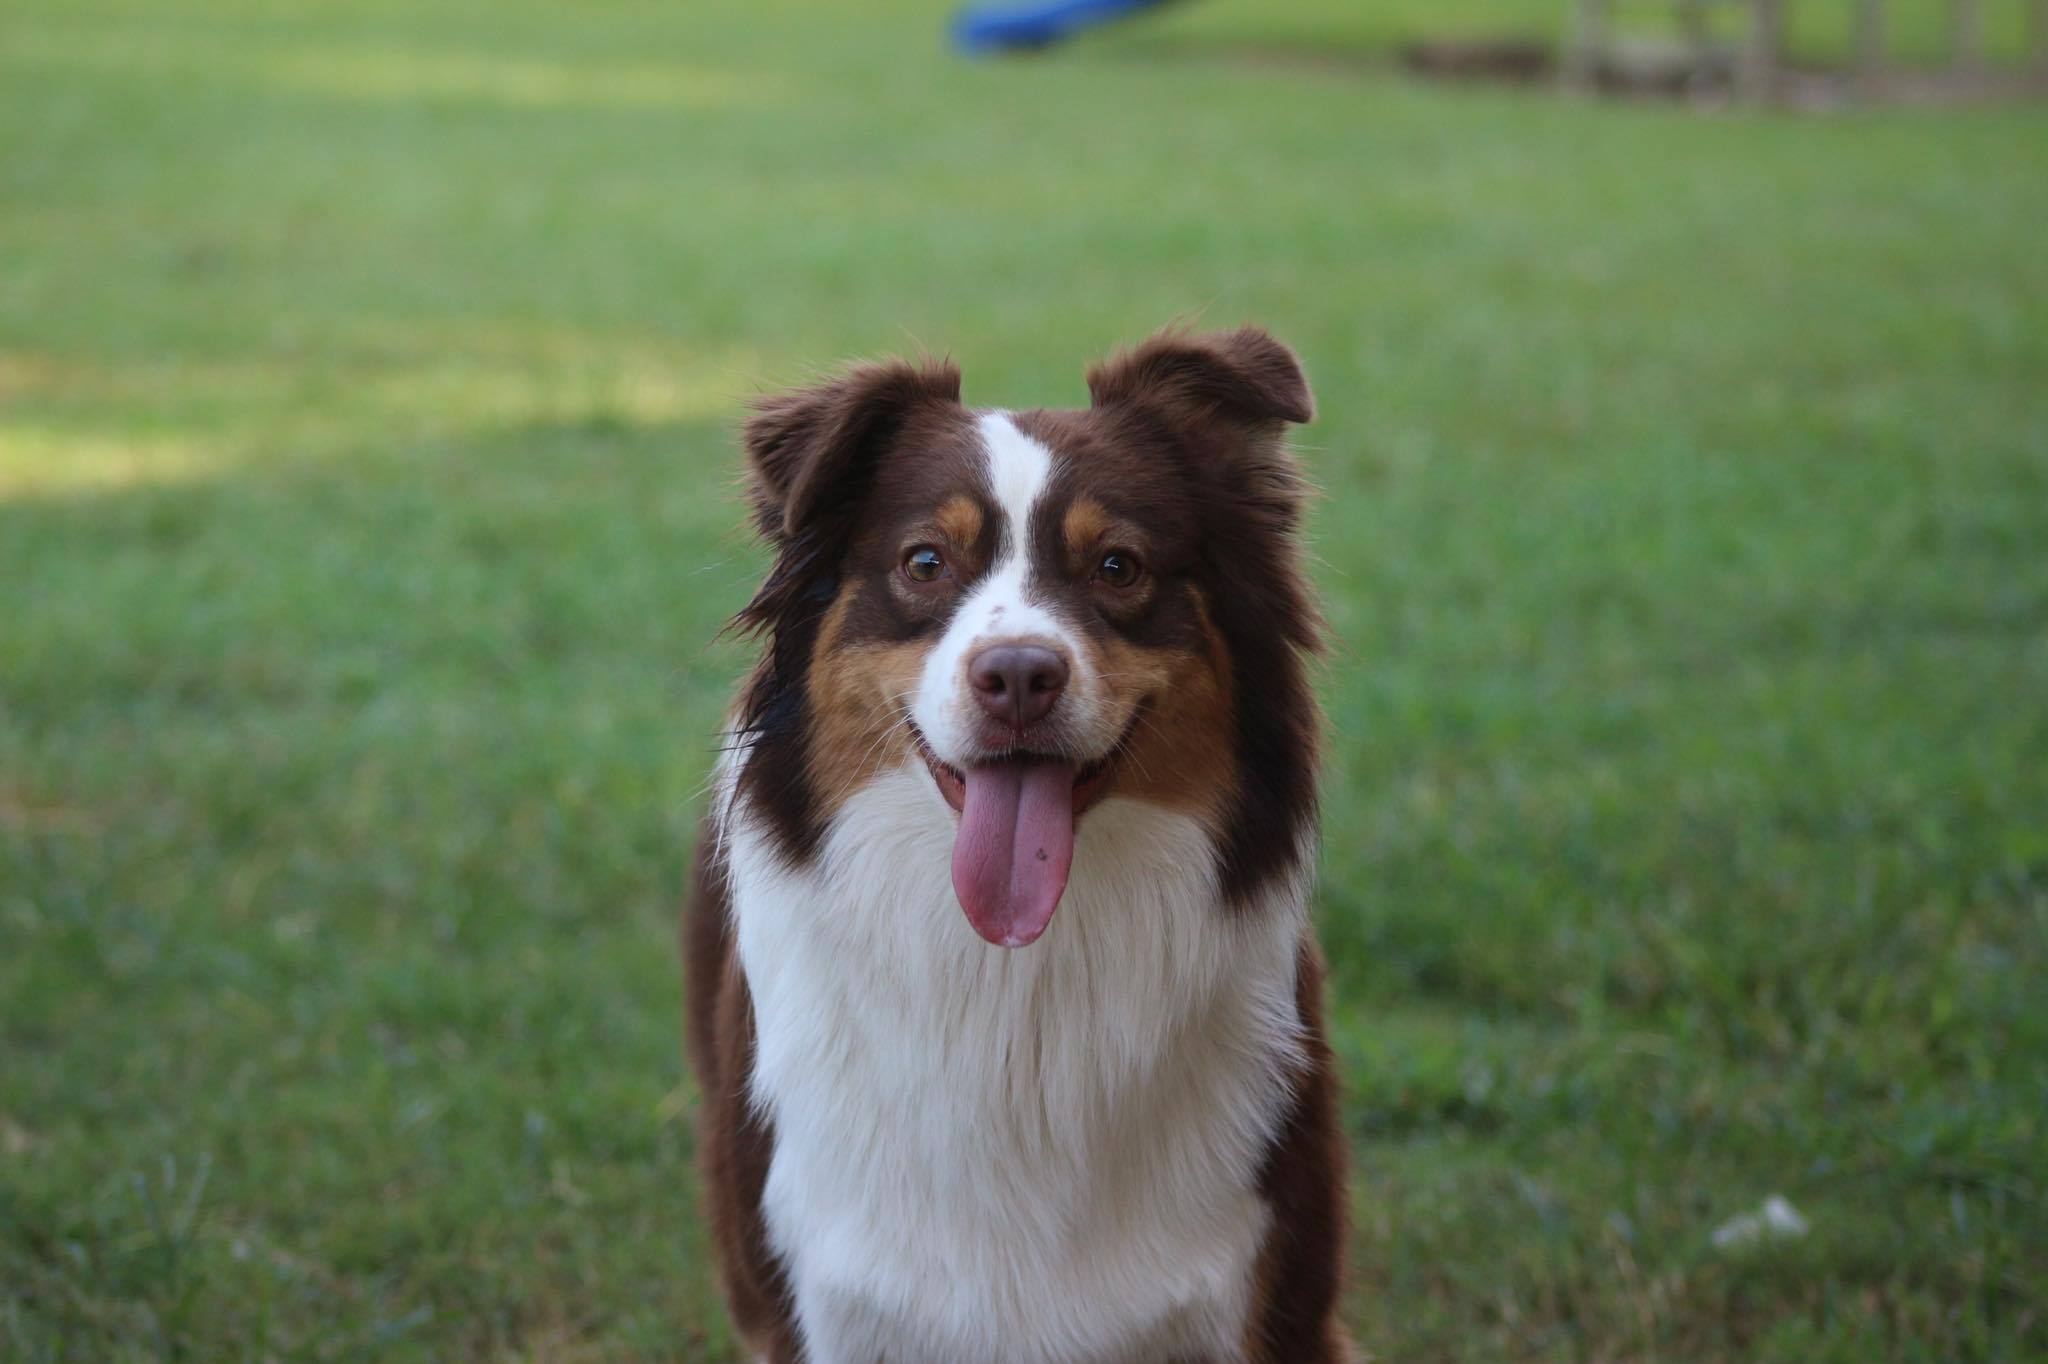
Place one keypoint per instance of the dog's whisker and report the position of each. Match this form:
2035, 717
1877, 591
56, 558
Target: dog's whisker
860, 773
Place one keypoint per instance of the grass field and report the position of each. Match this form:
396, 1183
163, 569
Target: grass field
367, 374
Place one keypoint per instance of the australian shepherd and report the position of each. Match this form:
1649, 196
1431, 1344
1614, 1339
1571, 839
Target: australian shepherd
1003, 996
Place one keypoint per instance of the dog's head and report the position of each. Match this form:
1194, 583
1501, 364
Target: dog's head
1043, 610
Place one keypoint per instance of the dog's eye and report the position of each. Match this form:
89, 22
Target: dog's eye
924, 565
1119, 568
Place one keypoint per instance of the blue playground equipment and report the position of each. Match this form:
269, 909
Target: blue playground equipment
1014, 28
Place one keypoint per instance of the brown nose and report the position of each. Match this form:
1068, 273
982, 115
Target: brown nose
1017, 683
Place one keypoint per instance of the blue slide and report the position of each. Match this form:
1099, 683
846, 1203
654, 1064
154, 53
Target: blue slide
1010, 28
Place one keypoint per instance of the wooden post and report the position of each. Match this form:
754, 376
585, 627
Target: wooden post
1763, 57
1870, 43
1698, 36
1588, 44
1965, 35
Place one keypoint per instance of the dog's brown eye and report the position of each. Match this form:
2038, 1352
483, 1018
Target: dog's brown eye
924, 565
1119, 568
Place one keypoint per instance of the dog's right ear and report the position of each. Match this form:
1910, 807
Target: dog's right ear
811, 449
811, 452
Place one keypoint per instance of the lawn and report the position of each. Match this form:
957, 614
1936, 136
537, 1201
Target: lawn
367, 380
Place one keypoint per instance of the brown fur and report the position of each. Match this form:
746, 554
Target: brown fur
857, 693
1300, 1273
1180, 753
734, 1145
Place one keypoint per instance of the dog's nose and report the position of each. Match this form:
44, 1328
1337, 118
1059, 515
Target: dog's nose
1017, 683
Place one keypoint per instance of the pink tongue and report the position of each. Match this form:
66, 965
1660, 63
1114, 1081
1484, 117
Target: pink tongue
1014, 847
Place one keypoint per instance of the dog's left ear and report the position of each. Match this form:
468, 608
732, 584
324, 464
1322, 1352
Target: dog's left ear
1243, 376
1224, 399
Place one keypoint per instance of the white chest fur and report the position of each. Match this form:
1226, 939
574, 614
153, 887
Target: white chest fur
1040, 1156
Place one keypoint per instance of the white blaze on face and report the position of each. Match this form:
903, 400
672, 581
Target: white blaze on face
1000, 609
1013, 846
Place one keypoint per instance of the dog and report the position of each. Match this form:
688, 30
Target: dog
1002, 992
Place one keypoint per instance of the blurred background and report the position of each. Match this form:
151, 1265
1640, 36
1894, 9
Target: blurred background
368, 375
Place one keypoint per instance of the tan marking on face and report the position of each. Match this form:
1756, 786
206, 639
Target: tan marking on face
1087, 526
1181, 753
858, 694
959, 520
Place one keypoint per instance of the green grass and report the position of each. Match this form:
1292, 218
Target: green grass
367, 374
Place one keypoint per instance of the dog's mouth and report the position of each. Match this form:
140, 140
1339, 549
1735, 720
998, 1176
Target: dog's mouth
1090, 780
1014, 846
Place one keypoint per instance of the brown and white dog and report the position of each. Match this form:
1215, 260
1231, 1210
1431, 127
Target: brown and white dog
1018, 663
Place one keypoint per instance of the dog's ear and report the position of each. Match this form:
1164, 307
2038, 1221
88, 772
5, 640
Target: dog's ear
1243, 376
810, 449
1224, 398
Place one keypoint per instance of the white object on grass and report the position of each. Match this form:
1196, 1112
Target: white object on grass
1776, 1220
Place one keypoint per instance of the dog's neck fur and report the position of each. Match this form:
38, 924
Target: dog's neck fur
981, 1156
